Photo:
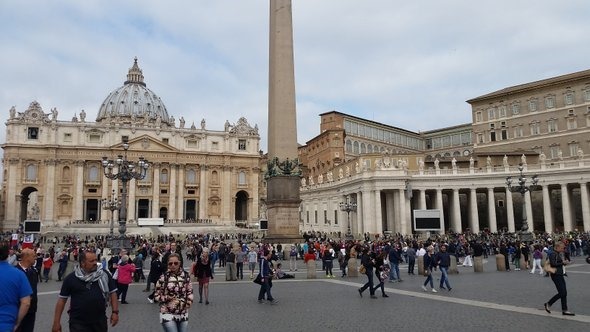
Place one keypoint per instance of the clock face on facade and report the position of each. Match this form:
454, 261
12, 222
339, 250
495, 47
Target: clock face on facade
466, 152
34, 115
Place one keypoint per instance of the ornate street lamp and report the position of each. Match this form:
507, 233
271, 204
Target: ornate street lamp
523, 188
111, 204
348, 206
123, 170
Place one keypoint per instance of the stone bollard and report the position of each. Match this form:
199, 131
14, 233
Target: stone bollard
353, 269
311, 273
453, 267
420, 263
478, 264
500, 266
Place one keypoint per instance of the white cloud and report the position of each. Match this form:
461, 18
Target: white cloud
407, 64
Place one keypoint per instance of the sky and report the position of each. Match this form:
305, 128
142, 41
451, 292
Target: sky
408, 64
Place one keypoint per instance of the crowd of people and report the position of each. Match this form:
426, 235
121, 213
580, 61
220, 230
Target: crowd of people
100, 277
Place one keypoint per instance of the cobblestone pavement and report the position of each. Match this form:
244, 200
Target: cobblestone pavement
508, 301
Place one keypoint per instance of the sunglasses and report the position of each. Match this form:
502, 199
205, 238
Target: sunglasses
173, 263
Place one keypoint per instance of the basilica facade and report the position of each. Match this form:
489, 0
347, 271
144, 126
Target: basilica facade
53, 168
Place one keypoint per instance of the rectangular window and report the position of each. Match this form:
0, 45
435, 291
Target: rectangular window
242, 145
315, 215
214, 145
307, 216
515, 109
569, 98
478, 117
165, 140
325, 217
33, 133
124, 138
504, 134
480, 138
535, 128
361, 130
552, 126
335, 217
533, 106
572, 123
94, 138
502, 111
492, 136
573, 149
554, 151
491, 114
191, 143
518, 132
67, 137
587, 95
549, 102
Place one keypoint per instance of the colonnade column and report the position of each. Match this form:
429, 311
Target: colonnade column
389, 202
547, 215
529, 210
226, 199
78, 205
377, 224
255, 206
456, 218
510, 211
179, 190
172, 193
357, 225
368, 212
473, 213
585, 206
155, 192
422, 201
439, 206
493, 223
403, 214
566, 208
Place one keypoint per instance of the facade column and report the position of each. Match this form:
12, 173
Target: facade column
389, 199
172, 193
456, 217
11, 206
254, 209
510, 211
356, 224
493, 223
131, 200
179, 190
529, 210
408, 229
439, 205
547, 215
78, 206
585, 206
566, 209
49, 199
203, 192
377, 225
473, 213
156, 192
227, 200
403, 214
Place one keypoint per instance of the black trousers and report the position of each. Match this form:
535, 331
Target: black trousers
83, 326
559, 282
28, 323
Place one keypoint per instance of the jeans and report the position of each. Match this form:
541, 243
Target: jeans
369, 283
173, 326
394, 272
240, 270
46, 274
537, 265
292, 263
559, 282
444, 278
265, 289
429, 279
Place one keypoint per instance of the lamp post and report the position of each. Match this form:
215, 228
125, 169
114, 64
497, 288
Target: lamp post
111, 204
523, 188
348, 206
123, 170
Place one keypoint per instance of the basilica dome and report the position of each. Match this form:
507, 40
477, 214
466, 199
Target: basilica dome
133, 102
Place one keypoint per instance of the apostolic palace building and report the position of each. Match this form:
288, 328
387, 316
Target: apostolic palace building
53, 167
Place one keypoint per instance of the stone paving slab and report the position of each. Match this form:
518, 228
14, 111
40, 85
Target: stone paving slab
510, 301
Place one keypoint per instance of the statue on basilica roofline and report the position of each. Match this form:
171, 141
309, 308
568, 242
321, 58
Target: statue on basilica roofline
82, 116
182, 122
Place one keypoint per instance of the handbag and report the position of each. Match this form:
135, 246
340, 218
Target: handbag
116, 274
362, 269
258, 280
548, 268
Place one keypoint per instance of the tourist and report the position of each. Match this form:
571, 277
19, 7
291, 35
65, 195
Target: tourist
174, 293
266, 275
252, 260
125, 271
63, 265
443, 261
395, 258
558, 262
429, 266
47, 264
202, 271
381, 272
411, 253
280, 274
537, 257
89, 289
156, 270
328, 258
27, 260
293, 258
15, 293
368, 263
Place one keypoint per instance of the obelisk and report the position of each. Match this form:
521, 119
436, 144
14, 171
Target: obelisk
283, 172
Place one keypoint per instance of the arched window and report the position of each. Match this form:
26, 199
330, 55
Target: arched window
191, 176
363, 148
242, 178
93, 173
356, 147
348, 146
214, 177
31, 172
164, 176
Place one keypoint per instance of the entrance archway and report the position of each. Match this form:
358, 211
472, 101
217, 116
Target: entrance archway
29, 195
241, 206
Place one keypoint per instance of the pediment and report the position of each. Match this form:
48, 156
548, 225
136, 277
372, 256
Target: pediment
148, 144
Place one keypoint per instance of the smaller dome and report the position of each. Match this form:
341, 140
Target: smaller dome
133, 102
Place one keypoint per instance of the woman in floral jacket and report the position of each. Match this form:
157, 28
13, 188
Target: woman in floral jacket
174, 292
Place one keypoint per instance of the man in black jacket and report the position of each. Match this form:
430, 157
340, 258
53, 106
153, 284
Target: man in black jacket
26, 265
